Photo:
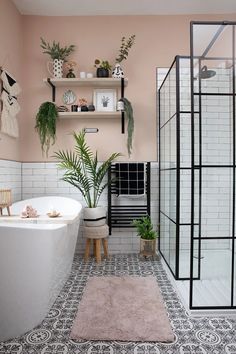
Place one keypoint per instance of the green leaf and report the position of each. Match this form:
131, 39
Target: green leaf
83, 171
46, 120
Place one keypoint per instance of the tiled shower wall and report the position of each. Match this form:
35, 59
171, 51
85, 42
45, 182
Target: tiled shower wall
40, 179
216, 150
216, 212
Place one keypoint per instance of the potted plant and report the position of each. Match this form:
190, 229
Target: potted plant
70, 65
103, 68
147, 235
83, 171
105, 101
58, 55
126, 45
46, 120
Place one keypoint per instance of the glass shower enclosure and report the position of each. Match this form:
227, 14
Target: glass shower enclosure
197, 167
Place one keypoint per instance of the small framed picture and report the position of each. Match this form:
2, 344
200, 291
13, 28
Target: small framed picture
104, 100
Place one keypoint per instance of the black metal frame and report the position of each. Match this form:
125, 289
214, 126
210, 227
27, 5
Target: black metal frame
121, 216
122, 90
178, 167
197, 167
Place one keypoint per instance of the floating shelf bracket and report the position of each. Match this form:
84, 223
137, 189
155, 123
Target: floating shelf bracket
53, 89
122, 113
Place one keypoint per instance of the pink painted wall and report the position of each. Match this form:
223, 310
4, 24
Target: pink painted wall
158, 40
11, 58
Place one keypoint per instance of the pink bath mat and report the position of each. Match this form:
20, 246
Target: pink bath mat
122, 309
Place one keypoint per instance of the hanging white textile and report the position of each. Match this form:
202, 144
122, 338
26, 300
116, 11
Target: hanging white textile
11, 89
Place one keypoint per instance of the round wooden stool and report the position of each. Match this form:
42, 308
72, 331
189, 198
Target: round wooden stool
96, 234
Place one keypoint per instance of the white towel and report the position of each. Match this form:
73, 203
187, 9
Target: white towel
11, 107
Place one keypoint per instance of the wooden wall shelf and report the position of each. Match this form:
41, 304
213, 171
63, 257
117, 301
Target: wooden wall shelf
84, 115
103, 82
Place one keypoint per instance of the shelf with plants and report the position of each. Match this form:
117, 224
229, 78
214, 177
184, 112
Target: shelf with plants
105, 93
93, 83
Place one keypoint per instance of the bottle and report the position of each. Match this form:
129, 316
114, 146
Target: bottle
120, 105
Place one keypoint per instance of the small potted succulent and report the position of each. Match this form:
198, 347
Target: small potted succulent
147, 235
103, 67
83, 104
58, 54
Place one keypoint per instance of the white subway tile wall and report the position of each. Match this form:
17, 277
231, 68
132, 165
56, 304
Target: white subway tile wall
11, 178
40, 179
216, 144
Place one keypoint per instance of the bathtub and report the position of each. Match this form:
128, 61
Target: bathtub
35, 260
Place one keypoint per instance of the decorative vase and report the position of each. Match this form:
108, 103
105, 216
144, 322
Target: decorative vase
94, 216
70, 74
117, 72
101, 72
84, 109
57, 68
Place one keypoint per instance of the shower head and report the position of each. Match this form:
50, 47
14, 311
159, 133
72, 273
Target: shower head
206, 74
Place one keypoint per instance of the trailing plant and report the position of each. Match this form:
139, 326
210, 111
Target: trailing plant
128, 109
55, 51
46, 120
145, 228
83, 170
102, 64
126, 45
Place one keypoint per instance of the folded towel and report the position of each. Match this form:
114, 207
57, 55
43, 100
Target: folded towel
130, 179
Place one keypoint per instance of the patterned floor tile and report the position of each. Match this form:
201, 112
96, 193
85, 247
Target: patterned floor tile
192, 335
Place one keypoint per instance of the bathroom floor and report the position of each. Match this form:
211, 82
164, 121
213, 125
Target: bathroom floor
193, 335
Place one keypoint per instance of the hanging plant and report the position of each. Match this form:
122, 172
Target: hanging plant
128, 109
46, 120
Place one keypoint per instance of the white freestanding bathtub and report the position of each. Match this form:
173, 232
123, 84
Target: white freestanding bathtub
35, 260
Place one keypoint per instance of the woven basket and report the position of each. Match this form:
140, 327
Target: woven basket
5, 198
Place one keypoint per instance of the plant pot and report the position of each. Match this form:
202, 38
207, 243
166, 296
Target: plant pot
70, 74
57, 68
117, 72
147, 247
94, 216
101, 72
84, 109
91, 108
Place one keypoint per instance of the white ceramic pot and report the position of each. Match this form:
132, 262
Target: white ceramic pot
57, 68
94, 216
117, 72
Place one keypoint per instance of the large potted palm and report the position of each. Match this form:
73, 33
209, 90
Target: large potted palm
83, 171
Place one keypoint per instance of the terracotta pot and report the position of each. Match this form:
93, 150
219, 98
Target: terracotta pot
94, 216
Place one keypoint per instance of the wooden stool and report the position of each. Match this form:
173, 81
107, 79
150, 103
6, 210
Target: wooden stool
5, 200
96, 234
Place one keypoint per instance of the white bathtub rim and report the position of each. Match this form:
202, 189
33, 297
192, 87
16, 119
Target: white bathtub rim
32, 226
